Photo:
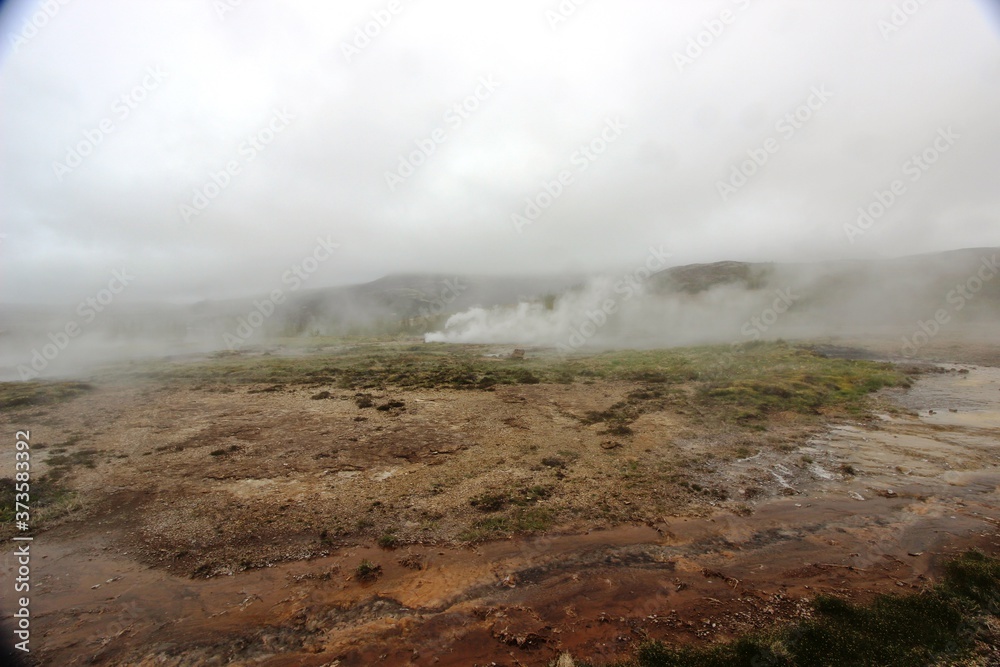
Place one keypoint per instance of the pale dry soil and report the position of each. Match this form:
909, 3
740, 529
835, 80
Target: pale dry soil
224, 526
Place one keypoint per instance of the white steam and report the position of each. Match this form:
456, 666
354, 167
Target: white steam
606, 313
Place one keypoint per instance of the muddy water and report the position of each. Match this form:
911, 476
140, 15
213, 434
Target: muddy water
919, 487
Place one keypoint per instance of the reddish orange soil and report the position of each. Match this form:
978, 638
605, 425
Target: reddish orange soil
923, 486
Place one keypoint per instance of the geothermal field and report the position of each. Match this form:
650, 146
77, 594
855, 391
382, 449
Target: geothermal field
546, 333
389, 500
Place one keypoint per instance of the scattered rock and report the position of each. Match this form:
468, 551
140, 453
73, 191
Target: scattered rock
517, 354
320, 396
610, 444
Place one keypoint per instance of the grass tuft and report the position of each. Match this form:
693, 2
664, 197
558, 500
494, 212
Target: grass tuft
367, 571
28, 394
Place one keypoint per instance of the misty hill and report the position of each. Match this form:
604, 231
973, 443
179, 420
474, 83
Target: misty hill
740, 302
724, 301
400, 298
883, 290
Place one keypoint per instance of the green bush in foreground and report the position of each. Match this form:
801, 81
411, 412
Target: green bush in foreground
925, 628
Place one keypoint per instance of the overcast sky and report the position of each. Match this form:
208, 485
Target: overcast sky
115, 115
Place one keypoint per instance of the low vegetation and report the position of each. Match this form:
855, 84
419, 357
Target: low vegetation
569, 447
48, 501
32, 394
742, 383
518, 521
388, 541
944, 625
367, 571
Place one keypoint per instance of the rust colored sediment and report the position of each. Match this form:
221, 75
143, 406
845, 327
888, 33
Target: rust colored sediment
926, 488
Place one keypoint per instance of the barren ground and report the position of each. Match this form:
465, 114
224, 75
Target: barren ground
197, 519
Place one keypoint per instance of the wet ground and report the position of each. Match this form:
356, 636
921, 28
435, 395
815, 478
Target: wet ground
860, 509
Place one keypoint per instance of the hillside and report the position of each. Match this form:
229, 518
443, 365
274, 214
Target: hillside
698, 303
